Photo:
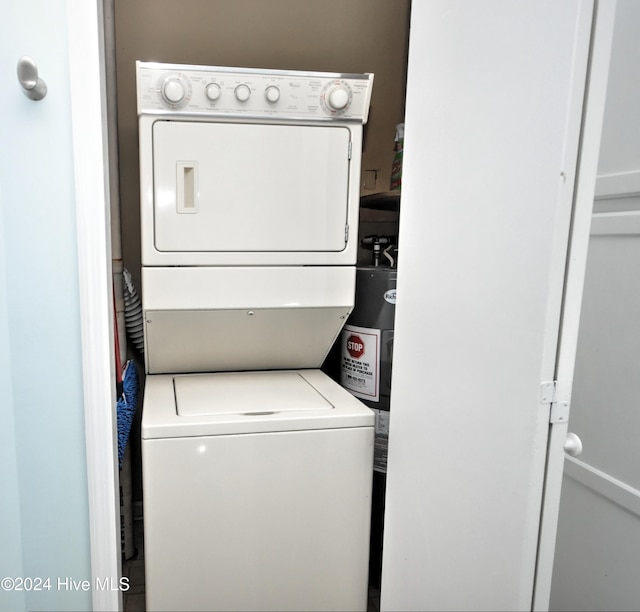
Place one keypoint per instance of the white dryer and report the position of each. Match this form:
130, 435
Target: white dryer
256, 466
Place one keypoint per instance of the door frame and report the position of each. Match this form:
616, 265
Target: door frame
586, 174
85, 21
85, 37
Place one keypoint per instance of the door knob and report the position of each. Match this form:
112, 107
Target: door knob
573, 445
32, 85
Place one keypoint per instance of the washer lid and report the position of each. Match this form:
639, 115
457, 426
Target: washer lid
246, 393
227, 403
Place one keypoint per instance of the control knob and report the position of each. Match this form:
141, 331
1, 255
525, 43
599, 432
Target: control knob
338, 97
272, 94
242, 92
173, 90
213, 91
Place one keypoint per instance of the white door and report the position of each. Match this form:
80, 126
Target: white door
598, 546
250, 188
494, 105
49, 488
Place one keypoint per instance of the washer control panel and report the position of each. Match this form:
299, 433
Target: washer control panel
247, 92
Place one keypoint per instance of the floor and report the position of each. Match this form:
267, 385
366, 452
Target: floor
133, 569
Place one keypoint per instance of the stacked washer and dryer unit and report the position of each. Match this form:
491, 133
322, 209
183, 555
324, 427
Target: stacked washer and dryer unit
256, 466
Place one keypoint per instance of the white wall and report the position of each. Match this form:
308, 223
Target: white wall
620, 146
44, 517
619, 164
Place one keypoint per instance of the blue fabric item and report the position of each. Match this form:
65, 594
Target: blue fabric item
126, 406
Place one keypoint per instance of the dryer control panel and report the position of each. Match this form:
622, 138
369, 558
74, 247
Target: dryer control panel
252, 93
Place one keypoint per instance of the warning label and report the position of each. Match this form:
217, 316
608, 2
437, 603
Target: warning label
381, 443
360, 372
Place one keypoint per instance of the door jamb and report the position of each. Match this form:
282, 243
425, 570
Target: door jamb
594, 102
85, 21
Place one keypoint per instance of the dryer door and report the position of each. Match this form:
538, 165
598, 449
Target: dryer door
229, 187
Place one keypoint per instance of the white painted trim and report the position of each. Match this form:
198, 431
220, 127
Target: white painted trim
91, 168
595, 94
625, 223
620, 185
606, 485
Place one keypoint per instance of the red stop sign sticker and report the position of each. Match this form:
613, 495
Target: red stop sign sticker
355, 346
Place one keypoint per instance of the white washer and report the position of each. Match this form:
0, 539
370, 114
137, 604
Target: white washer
257, 484
257, 491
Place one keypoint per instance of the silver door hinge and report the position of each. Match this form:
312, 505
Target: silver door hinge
346, 233
559, 407
350, 146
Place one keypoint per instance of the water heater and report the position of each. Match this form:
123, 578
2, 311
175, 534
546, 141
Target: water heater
367, 348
